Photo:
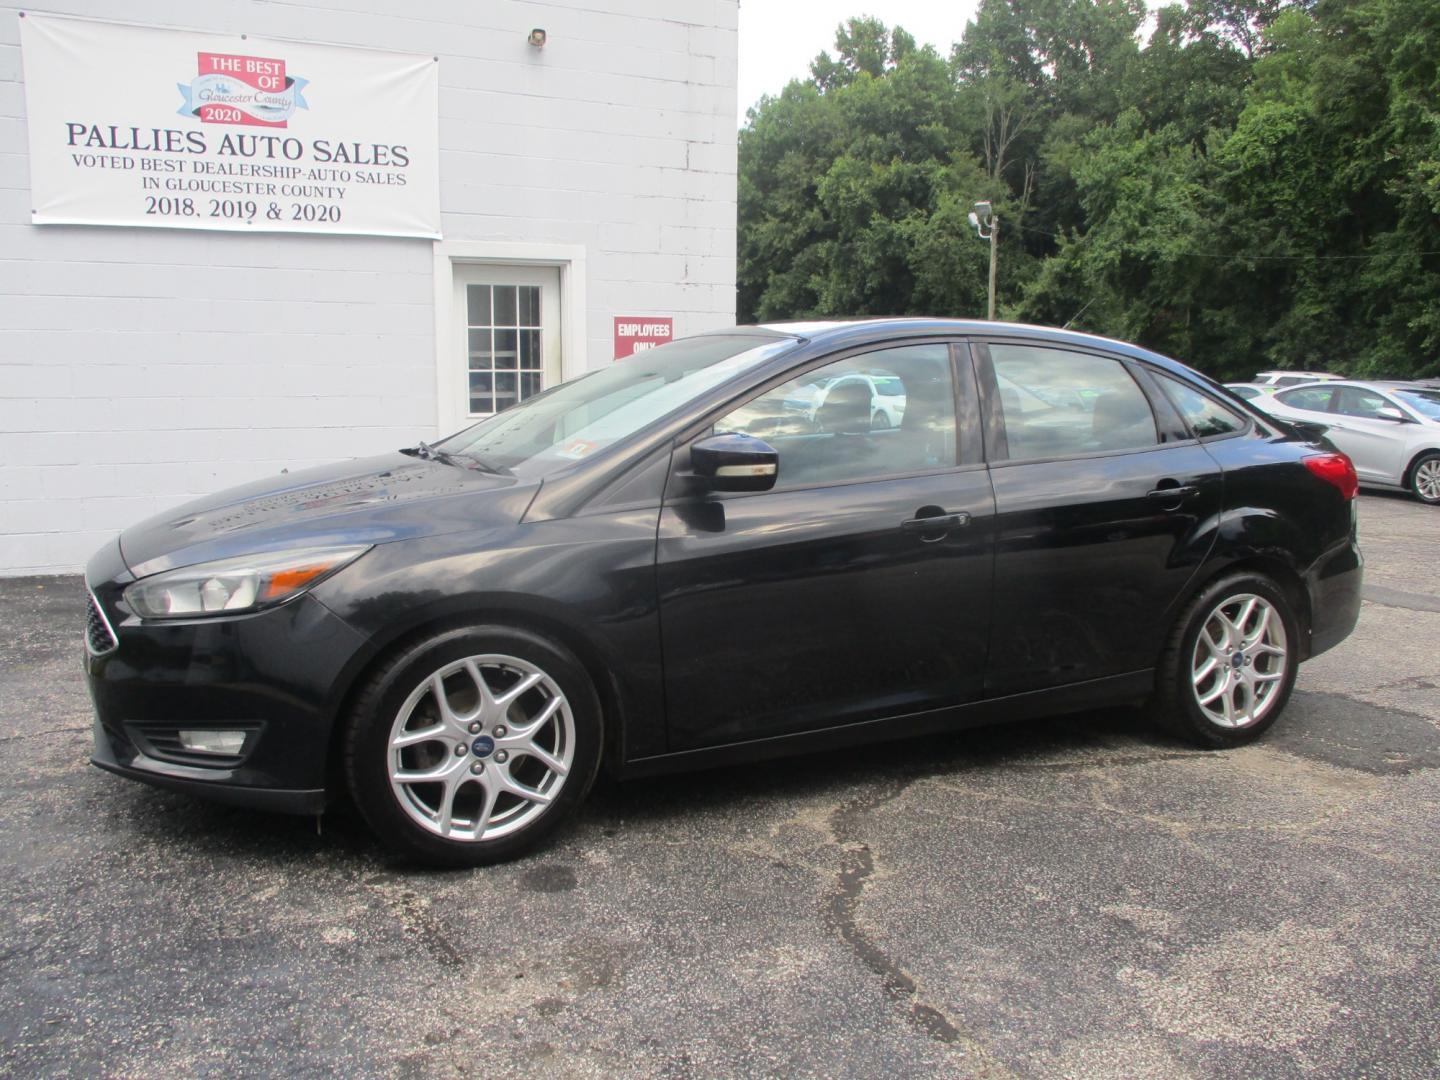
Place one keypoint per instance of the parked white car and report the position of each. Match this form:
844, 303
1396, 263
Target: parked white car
1291, 378
1390, 430
885, 391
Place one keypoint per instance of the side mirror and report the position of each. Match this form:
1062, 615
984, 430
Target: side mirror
735, 462
1389, 412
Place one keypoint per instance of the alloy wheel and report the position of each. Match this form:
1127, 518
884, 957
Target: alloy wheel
1427, 479
481, 748
1239, 663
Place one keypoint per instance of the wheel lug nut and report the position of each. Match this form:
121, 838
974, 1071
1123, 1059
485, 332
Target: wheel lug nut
461, 751
501, 756
478, 767
500, 731
474, 729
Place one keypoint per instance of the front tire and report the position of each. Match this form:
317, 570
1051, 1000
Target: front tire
473, 745
1229, 664
1425, 479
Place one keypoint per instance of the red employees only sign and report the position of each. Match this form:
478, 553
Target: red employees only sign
635, 333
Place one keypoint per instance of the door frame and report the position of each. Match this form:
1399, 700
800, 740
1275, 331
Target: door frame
569, 259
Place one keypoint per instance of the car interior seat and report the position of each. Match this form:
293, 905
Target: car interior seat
846, 410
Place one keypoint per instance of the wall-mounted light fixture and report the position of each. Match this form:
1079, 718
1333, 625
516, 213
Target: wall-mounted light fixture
537, 38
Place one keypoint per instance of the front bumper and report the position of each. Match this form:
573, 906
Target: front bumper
217, 785
273, 673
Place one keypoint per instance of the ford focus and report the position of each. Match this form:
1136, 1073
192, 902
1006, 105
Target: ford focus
685, 560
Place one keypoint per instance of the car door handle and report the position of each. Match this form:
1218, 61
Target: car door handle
1173, 494
936, 523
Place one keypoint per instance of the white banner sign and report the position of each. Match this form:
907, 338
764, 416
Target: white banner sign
137, 126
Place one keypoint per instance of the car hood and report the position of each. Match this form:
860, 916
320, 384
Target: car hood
366, 501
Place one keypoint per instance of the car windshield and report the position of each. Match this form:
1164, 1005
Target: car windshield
1425, 402
580, 417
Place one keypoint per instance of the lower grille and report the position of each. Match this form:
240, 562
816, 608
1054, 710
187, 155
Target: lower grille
99, 638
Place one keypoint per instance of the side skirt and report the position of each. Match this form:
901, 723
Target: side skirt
1111, 690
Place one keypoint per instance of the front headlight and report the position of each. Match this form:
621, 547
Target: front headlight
235, 585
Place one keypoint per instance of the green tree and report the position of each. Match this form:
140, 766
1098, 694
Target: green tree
1256, 183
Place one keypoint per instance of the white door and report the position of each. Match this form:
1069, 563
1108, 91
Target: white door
507, 336
1376, 446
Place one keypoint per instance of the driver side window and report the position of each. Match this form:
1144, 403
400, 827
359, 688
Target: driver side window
884, 413
1353, 401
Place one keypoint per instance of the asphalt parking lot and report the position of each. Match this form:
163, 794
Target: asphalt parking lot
1075, 897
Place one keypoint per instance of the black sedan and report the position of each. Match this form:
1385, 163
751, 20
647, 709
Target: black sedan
669, 564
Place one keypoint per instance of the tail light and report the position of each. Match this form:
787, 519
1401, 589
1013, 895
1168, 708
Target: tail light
1335, 469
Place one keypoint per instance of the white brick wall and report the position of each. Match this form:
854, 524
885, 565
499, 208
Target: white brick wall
142, 367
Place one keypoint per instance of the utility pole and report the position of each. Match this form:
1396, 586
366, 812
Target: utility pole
983, 218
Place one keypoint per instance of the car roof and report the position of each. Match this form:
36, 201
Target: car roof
1317, 376
839, 333
1387, 385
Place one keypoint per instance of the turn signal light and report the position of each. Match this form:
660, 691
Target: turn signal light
1335, 469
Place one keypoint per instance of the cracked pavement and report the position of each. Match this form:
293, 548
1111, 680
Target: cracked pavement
1074, 897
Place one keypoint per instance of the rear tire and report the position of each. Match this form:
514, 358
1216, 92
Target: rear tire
1425, 479
1229, 663
473, 745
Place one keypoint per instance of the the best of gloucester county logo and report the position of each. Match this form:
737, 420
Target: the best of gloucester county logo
250, 90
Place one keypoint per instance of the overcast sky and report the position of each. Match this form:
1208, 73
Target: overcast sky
779, 38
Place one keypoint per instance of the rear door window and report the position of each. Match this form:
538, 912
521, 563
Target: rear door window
1309, 398
1353, 401
1205, 416
1057, 403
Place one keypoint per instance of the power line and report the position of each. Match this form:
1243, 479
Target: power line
1241, 257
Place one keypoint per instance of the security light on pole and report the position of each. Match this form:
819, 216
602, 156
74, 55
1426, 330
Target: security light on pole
982, 218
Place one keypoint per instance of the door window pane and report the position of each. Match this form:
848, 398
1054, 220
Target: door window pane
478, 303
529, 306
505, 390
481, 396
505, 349
885, 413
1352, 401
505, 305
1205, 416
1311, 398
481, 357
530, 349
505, 337
1054, 403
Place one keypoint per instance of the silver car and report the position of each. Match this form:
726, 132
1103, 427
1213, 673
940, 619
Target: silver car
1390, 430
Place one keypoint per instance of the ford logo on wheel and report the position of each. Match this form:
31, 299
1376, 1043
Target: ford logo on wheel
483, 746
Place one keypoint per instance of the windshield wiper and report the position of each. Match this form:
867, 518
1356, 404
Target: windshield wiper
424, 450
483, 464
